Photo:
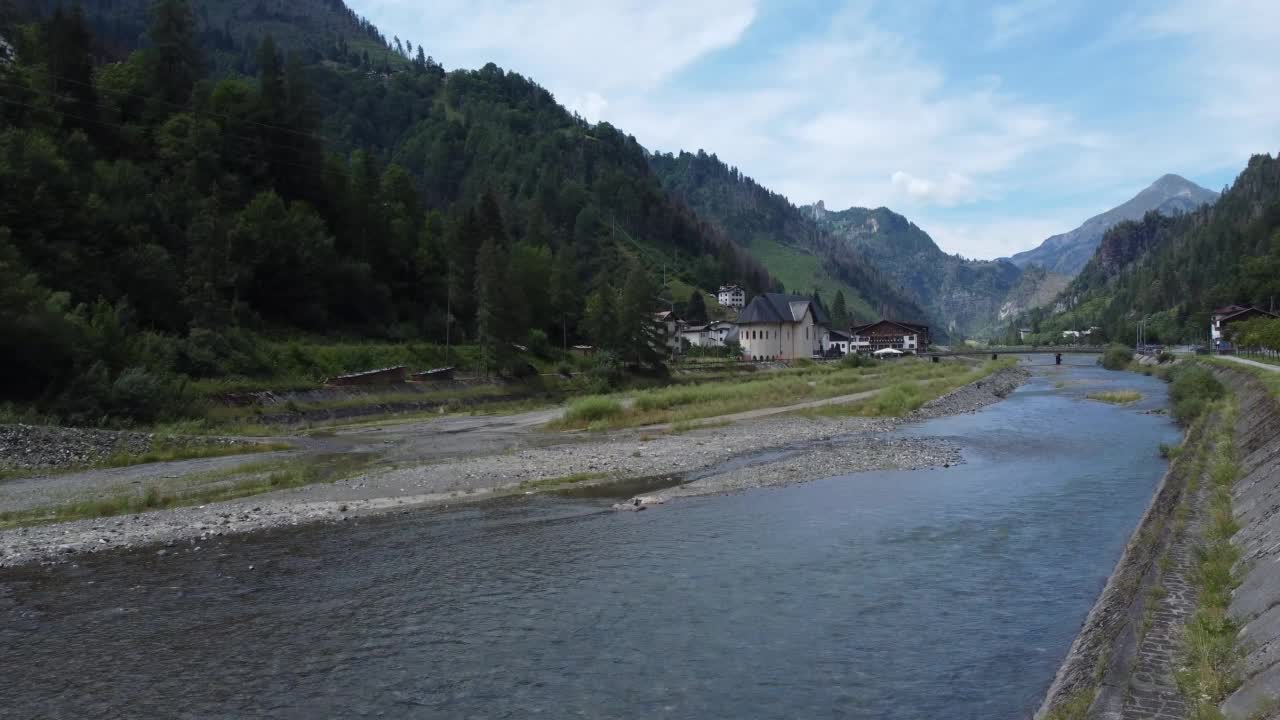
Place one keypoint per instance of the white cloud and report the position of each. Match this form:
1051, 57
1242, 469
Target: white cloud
583, 52
1231, 66
998, 237
855, 116
1014, 21
952, 189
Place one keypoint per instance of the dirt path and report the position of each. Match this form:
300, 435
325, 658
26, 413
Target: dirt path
1251, 363
44, 491
766, 412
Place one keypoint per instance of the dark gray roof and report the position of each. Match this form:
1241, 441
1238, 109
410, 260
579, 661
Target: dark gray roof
780, 308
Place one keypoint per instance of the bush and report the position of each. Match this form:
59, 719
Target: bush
854, 360
606, 370
538, 344
1117, 357
592, 409
1191, 390
1165, 357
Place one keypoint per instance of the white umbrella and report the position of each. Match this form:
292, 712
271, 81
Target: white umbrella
887, 351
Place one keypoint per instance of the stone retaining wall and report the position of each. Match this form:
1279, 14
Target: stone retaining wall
1256, 497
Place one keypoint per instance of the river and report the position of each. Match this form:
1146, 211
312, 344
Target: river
947, 593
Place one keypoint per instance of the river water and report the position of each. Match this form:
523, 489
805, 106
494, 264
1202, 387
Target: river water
948, 593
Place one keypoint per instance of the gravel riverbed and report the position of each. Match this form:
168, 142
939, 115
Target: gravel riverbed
776, 450
42, 448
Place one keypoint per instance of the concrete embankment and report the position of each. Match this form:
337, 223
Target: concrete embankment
1124, 662
1256, 500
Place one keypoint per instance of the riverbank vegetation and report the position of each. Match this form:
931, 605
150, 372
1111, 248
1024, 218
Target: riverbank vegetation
1210, 657
1192, 389
1270, 380
902, 386
1117, 357
1116, 397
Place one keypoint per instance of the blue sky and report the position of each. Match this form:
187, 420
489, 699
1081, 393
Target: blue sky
991, 125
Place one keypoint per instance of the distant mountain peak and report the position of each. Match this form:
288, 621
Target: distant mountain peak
1170, 194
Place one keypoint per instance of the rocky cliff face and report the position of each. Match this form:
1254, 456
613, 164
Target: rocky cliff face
1035, 288
1068, 253
962, 296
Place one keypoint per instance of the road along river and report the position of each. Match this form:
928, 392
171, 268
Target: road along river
905, 594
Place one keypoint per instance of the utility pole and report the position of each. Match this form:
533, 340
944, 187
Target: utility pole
448, 320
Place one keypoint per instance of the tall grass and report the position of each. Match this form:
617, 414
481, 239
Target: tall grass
1211, 658
1116, 397
787, 387
1192, 389
590, 409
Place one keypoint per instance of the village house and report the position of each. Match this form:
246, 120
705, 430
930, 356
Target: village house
670, 324
732, 296
776, 326
1224, 316
1023, 333
713, 334
904, 336
838, 341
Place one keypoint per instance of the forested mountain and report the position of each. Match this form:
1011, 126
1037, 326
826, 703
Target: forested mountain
1176, 269
1066, 254
962, 296
799, 253
242, 168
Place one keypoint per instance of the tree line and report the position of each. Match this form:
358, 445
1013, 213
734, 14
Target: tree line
155, 216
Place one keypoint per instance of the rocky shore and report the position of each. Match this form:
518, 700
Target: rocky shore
41, 448
776, 450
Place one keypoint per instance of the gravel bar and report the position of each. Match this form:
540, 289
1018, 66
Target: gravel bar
831, 446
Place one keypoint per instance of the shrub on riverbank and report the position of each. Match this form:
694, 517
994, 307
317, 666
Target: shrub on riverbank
854, 360
587, 410
1117, 357
1193, 387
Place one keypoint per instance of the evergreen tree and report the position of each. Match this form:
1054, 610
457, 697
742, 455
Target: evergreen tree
696, 310
174, 62
69, 64
600, 319
638, 336
839, 312
564, 291
491, 333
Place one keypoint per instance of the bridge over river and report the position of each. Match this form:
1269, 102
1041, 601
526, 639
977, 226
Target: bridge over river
996, 352
1021, 350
